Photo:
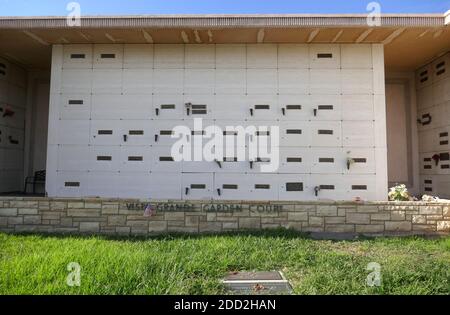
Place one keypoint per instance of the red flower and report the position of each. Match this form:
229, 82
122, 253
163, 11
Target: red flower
436, 158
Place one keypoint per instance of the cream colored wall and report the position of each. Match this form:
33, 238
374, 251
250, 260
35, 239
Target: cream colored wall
13, 89
36, 125
433, 113
402, 136
92, 93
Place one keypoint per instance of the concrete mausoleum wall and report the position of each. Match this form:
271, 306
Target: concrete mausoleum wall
126, 217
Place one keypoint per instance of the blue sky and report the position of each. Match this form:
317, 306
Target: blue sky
105, 7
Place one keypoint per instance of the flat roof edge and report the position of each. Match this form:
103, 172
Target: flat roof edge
225, 21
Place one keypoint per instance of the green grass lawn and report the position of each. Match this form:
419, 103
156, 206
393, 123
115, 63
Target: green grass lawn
35, 264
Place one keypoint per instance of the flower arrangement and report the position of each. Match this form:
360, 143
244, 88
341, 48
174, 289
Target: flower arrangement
399, 193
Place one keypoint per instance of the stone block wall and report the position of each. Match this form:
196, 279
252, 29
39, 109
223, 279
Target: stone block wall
126, 217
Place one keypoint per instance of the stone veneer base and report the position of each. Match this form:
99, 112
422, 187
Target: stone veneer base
126, 217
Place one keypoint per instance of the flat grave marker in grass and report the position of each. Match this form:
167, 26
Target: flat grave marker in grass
258, 282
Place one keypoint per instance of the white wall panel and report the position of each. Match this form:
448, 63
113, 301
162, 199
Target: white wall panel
425, 97
134, 185
427, 164
104, 158
168, 81
295, 134
262, 56
379, 78
121, 106
330, 187
258, 165
265, 133
231, 187
103, 184
200, 106
74, 158
295, 160
424, 76
200, 166
169, 106
197, 186
231, 163
263, 186
162, 132
294, 107
428, 184
326, 134
138, 81
108, 56
138, 56
441, 138
360, 186
230, 107
441, 68
169, 56
327, 161
262, 81
427, 141
363, 160
324, 56
162, 161
357, 81
107, 81
442, 186
262, 107
356, 56
70, 132
232, 56
431, 117
163, 186
77, 106
135, 159
72, 184
235, 133
358, 134
293, 56
294, 187
293, 81
76, 81
326, 107
357, 107
105, 132
77, 57
230, 81
441, 91
200, 56
325, 81
143, 91
108, 106
199, 81
136, 132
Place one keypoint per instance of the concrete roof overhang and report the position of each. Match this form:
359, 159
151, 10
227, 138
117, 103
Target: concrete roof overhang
410, 40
